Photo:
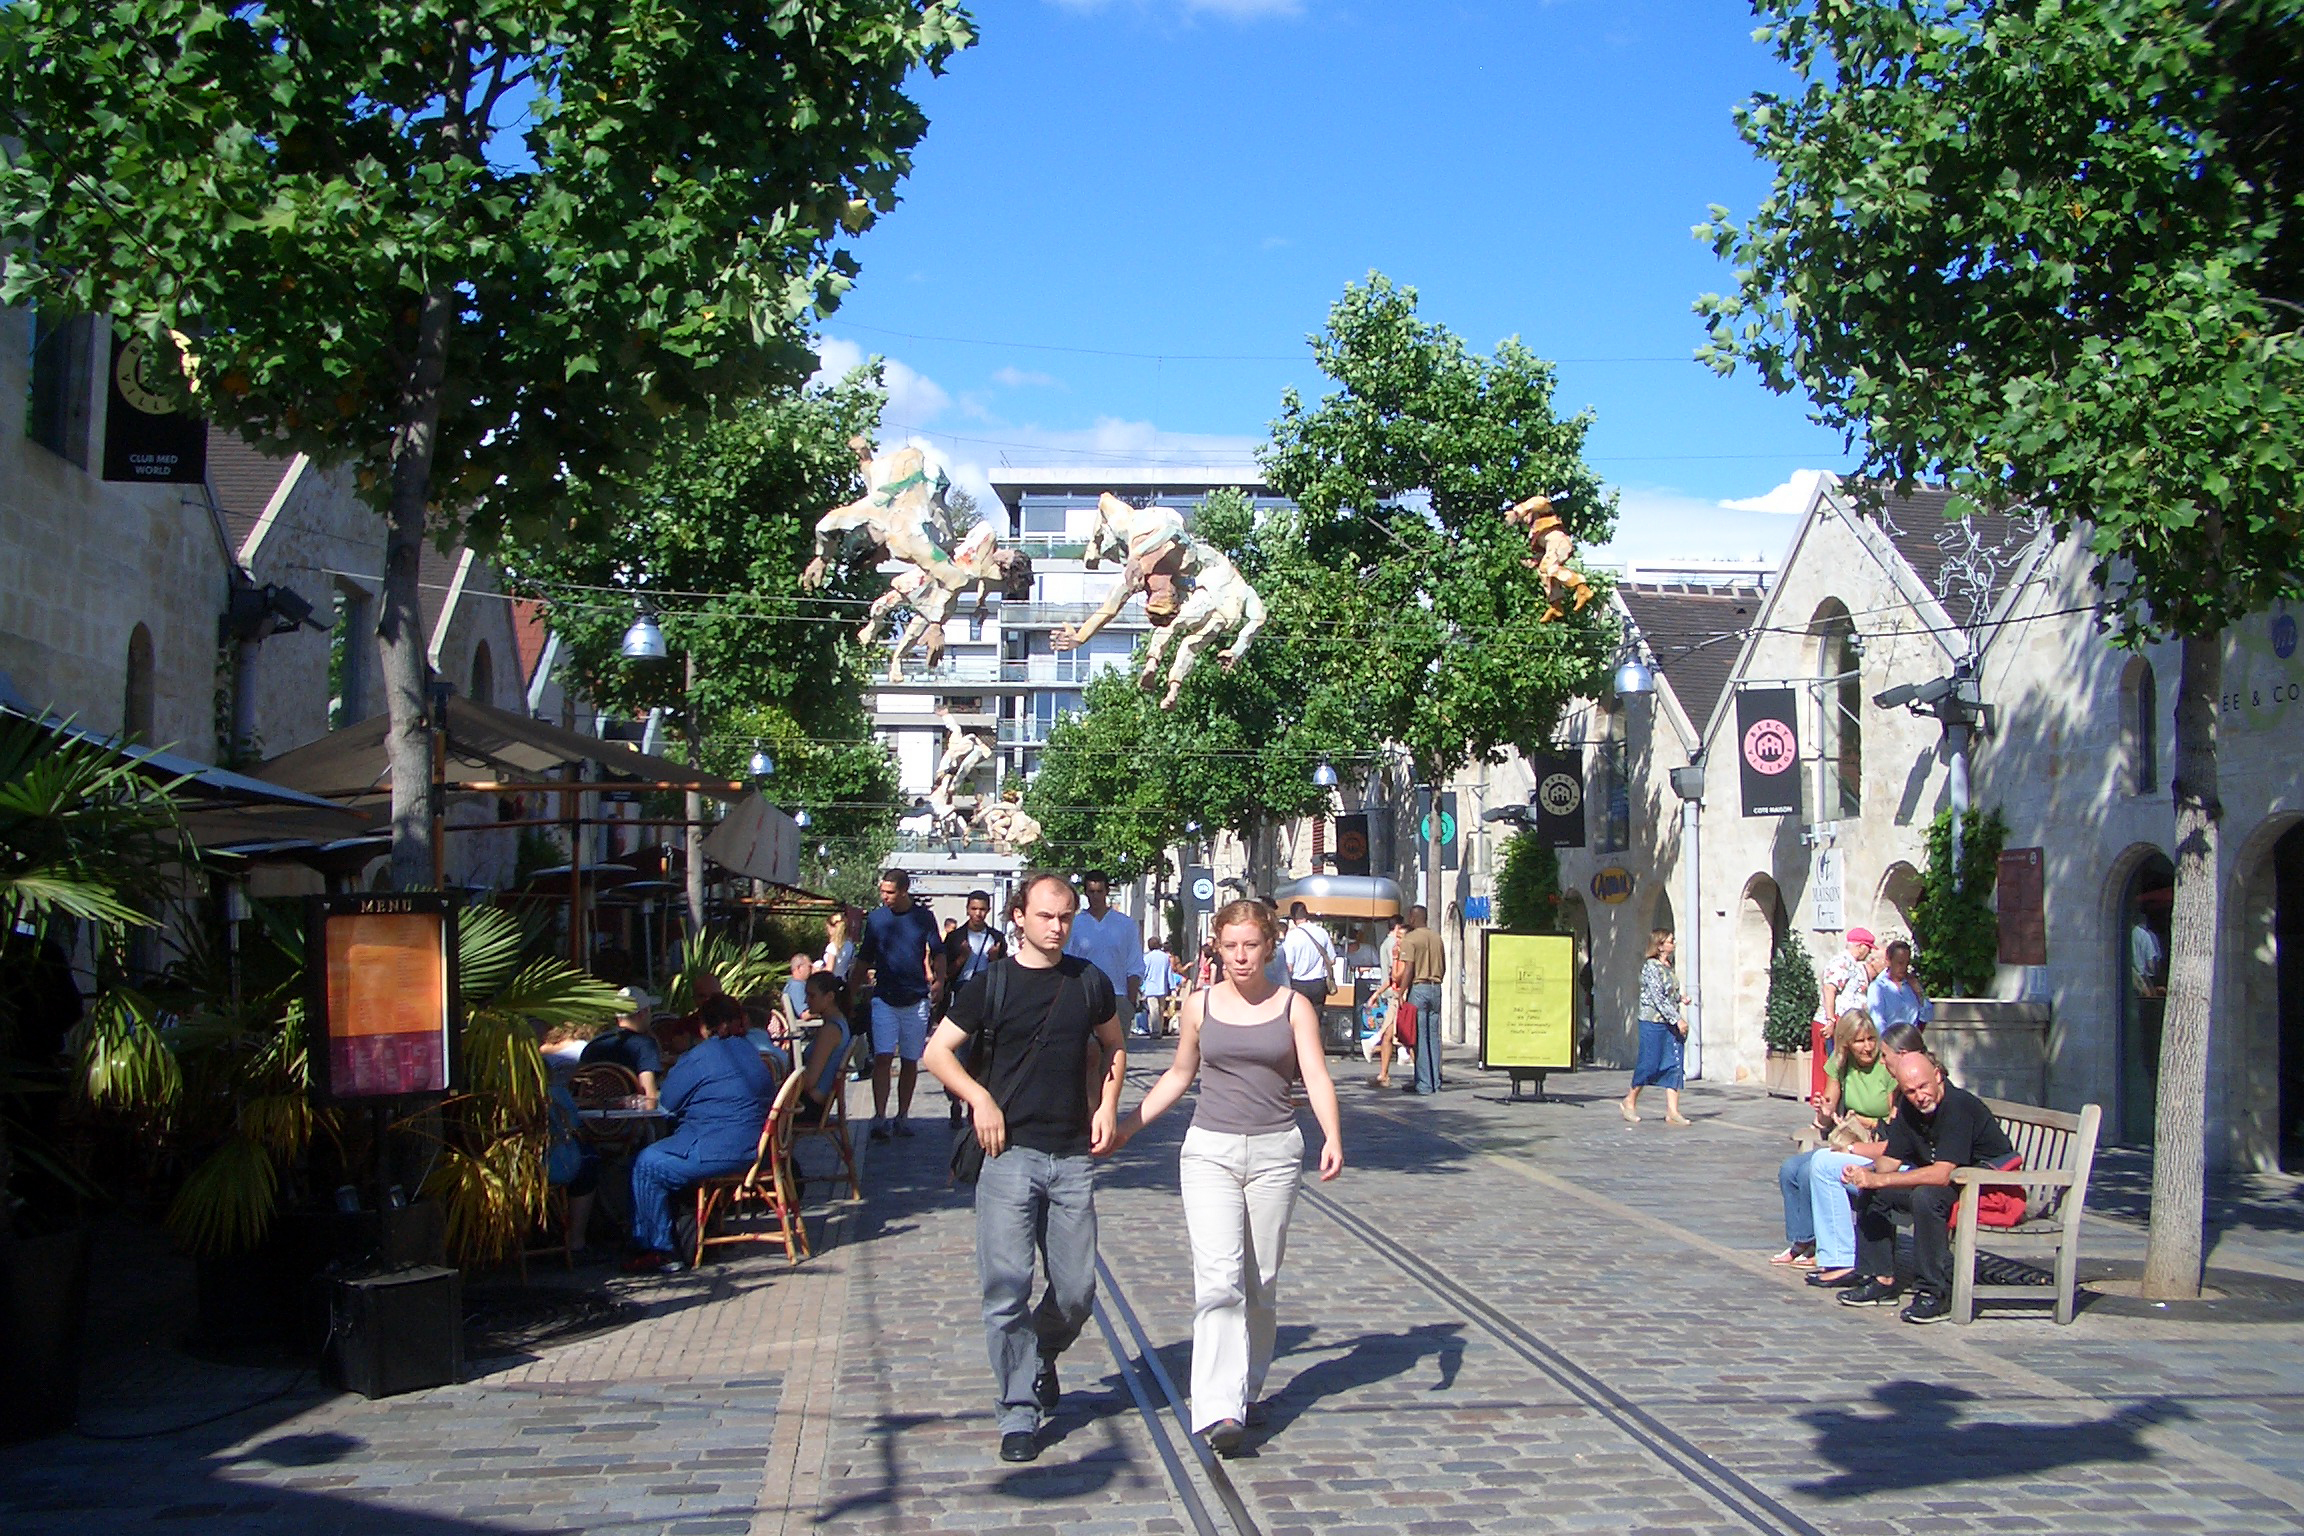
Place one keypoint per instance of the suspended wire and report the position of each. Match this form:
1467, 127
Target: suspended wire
1178, 357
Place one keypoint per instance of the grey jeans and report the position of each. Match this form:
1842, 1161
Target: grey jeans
1030, 1202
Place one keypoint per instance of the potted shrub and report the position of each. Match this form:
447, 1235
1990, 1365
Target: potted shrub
1792, 995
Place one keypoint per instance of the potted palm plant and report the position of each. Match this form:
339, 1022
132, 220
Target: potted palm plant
90, 846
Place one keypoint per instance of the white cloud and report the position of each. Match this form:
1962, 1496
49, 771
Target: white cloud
1022, 378
912, 395
1787, 500
1657, 525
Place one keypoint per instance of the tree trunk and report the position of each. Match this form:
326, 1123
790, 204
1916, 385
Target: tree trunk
399, 623
694, 808
2172, 1258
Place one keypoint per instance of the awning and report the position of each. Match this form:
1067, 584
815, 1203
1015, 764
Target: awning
1341, 896
486, 746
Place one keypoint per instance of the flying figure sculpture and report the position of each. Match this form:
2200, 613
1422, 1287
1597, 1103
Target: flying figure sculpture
901, 517
1193, 593
1549, 546
1008, 826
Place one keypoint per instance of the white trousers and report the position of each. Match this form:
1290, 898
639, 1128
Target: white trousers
1238, 1194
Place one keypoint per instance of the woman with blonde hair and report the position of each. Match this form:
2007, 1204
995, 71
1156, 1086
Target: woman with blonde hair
839, 944
1247, 1039
1663, 1034
1819, 1222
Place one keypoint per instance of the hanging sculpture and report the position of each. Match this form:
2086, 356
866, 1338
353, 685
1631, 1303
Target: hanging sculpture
901, 517
1008, 826
1193, 593
1549, 546
964, 753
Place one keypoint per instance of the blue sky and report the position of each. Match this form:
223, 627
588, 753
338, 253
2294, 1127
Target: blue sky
1192, 183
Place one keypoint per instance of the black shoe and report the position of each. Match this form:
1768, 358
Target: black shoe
1020, 1445
1928, 1307
1224, 1436
1870, 1294
1045, 1390
879, 1131
1846, 1282
904, 1128
1259, 1414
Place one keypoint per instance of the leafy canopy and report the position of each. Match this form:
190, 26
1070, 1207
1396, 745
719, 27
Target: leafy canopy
713, 532
628, 205
2051, 254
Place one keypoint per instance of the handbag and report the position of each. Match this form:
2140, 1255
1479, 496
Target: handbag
1997, 1205
967, 1151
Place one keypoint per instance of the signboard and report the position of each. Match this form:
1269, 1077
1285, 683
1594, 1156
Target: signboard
1828, 888
1559, 801
145, 437
1447, 829
1352, 844
2022, 906
1767, 750
382, 973
1528, 1000
1199, 901
1613, 885
2263, 673
756, 839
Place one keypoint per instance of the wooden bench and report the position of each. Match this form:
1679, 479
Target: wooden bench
2058, 1151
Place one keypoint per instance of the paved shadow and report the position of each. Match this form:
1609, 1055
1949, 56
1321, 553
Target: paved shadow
1922, 1437
1365, 1361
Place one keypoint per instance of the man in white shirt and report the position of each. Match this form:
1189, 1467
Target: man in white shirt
1110, 940
1310, 956
1160, 984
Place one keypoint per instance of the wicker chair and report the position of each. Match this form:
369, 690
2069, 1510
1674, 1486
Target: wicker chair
768, 1181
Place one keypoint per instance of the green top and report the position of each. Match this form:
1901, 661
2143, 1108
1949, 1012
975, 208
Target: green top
1865, 1090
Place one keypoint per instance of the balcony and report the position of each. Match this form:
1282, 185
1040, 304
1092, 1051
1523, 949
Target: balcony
1050, 615
1024, 733
952, 677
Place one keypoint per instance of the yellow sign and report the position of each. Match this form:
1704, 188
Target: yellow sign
1528, 1001
1613, 884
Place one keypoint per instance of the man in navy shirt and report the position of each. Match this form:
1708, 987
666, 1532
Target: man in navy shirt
905, 952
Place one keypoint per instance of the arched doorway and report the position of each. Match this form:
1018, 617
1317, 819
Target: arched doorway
1760, 925
2142, 959
1899, 897
136, 705
1577, 924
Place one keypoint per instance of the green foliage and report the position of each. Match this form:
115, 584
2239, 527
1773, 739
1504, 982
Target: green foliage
1792, 995
619, 209
86, 834
720, 522
2052, 255
744, 971
1955, 932
1528, 886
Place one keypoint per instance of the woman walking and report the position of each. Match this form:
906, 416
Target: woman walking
1663, 1036
1248, 1040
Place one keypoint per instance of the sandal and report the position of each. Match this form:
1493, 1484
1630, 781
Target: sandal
1678, 1120
1797, 1257
1631, 1115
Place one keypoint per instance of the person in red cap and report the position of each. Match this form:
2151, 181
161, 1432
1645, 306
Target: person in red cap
1842, 984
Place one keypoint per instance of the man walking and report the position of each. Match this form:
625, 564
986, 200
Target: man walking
1044, 1025
1421, 964
1310, 956
1111, 939
970, 949
905, 954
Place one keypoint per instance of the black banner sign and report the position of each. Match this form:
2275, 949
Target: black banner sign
145, 437
1559, 801
1352, 844
1768, 751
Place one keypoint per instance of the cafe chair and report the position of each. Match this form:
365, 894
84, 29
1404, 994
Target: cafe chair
833, 1128
602, 1085
768, 1182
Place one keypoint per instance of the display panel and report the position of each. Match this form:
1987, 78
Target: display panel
386, 1020
1528, 1001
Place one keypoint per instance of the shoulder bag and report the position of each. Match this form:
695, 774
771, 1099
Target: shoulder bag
967, 1151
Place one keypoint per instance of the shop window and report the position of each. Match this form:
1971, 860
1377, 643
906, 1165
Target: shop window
136, 705
2140, 715
1840, 698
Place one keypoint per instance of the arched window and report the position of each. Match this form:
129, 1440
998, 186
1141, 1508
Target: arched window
136, 703
483, 675
1840, 700
2140, 714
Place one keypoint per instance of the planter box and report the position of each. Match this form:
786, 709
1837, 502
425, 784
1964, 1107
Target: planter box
1995, 1049
1788, 1074
43, 1301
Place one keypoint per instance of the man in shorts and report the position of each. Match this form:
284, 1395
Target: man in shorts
904, 950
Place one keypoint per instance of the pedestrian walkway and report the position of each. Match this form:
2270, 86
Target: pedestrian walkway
1505, 1317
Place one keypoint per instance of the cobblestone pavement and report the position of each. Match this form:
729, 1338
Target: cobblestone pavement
1505, 1317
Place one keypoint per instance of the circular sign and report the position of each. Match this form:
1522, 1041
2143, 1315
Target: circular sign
1560, 794
1613, 885
1203, 888
1447, 827
1352, 845
1769, 747
137, 374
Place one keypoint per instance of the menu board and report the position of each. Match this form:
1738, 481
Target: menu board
1528, 1001
386, 990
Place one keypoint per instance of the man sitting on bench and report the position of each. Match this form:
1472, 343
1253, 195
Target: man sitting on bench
1937, 1128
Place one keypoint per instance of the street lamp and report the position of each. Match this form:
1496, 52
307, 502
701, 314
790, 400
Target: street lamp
802, 819
1324, 776
644, 641
1634, 680
762, 764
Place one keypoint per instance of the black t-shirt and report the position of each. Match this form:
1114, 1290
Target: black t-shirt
1043, 1090
627, 1048
1961, 1131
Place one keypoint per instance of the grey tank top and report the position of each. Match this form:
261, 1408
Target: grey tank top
1245, 1072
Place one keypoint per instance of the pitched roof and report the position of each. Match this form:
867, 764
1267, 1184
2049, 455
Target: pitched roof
245, 479
1695, 633
1966, 562
528, 634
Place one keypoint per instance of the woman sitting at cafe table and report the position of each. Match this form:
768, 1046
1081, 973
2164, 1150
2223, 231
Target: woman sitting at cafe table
720, 1089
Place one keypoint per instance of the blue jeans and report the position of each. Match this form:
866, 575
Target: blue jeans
1818, 1207
1027, 1203
1425, 995
665, 1168
1659, 1063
